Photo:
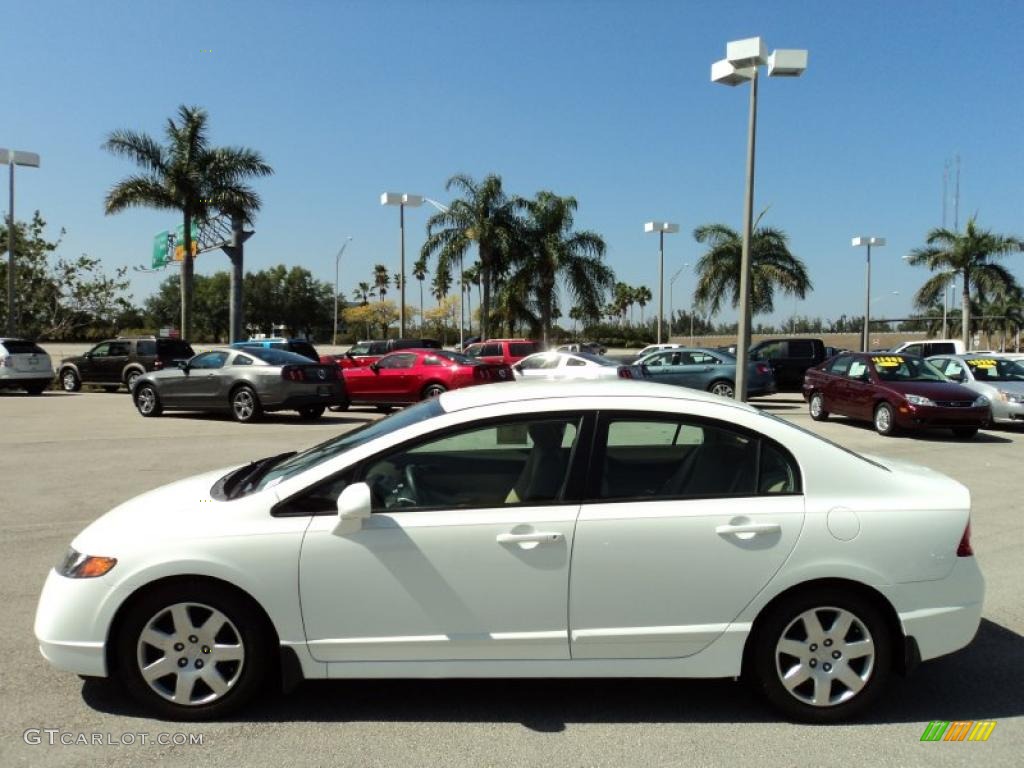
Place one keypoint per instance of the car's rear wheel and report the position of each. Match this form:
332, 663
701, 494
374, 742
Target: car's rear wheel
822, 655
885, 419
817, 407
69, 380
311, 412
192, 651
245, 404
722, 389
131, 378
964, 433
433, 390
148, 401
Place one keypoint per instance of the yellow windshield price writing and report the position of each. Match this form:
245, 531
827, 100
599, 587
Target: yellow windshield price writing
981, 363
888, 361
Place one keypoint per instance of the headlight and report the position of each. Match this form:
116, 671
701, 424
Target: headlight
75, 565
1011, 397
982, 400
918, 400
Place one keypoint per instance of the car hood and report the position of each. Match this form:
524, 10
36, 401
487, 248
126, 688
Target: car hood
936, 390
181, 509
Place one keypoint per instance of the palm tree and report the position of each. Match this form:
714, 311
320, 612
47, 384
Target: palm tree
485, 216
772, 267
419, 271
643, 296
364, 292
622, 295
188, 175
970, 257
381, 280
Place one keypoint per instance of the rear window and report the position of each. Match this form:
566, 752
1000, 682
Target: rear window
305, 349
522, 349
20, 347
276, 356
173, 348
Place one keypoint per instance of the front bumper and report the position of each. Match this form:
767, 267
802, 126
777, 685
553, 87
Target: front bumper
67, 627
926, 416
1007, 412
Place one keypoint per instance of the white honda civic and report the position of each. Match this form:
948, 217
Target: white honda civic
593, 529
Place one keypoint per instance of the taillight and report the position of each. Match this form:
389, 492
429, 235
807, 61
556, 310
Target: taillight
6, 361
964, 549
625, 373
762, 369
293, 373
158, 364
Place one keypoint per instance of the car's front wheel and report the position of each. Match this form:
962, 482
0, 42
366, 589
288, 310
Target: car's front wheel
817, 407
885, 419
69, 380
148, 401
822, 655
245, 404
722, 389
192, 651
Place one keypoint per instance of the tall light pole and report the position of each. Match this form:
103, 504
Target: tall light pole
743, 59
401, 200
867, 242
661, 227
12, 158
671, 311
337, 263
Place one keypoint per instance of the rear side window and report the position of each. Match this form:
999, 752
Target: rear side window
119, 348
173, 348
276, 356
145, 348
801, 349
522, 349
19, 347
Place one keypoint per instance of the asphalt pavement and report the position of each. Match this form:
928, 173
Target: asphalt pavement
67, 458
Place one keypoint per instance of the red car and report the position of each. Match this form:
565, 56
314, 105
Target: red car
412, 375
365, 352
507, 351
894, 392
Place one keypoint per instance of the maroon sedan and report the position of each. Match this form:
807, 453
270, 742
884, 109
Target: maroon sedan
893, 392
416, 374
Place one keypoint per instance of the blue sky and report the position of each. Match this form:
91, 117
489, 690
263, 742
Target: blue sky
608, 101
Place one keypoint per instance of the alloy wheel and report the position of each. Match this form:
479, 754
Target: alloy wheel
825, 656
883, 419
190, 654
244, 404
723, 389
69, 381
146, 401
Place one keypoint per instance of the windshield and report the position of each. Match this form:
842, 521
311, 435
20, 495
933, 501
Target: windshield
990, 369
903, 368
334, 447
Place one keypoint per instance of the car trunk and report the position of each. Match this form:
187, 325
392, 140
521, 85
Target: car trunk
25, 357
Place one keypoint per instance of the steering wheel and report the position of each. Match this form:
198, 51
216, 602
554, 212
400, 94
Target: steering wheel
412, 485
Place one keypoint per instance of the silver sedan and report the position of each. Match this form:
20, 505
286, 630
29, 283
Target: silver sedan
573, 365
997, 378
247, 382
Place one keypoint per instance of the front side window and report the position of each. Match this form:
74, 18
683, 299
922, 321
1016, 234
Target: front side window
913, 349
402, 360
673, 458
513, 462
208, 360
362, 348
101, 350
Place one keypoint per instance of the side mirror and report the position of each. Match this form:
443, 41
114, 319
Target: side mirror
183, 365
518, 367
375, 367
354, 506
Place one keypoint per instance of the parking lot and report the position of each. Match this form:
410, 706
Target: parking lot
67, 458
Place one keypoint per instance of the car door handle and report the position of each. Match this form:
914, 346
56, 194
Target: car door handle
752, 528
538, 537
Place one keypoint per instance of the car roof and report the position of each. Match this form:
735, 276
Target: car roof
525, 391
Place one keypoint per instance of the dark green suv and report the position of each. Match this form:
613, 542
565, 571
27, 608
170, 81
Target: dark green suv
119, 362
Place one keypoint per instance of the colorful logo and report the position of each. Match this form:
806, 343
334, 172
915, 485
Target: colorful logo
958, 730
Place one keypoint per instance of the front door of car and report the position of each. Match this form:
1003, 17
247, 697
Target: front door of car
683, 523
664, 368
91, 365
205, 380
465, 556
395, 377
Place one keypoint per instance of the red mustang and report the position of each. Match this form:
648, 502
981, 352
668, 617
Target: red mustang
893, 391
412, 375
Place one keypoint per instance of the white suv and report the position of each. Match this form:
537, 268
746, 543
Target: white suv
24, 365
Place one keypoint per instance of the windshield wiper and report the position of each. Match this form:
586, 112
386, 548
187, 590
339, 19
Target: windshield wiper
250, 474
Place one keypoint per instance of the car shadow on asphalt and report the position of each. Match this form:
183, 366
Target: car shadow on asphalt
981, 682
15, 394
937, 435
283, 417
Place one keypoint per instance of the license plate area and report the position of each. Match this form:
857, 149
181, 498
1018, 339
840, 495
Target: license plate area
324, 389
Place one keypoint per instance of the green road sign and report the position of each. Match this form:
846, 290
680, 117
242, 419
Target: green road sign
179, 241
160, 249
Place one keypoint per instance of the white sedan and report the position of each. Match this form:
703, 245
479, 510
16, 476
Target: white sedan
583, 529
557, 364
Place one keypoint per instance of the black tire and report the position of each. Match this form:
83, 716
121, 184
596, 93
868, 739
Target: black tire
885, 419
245, 404
110, 389
816, 407
769, 661
69, 380
147, 401
131, 378
245, 627
964, 433
722, 388
311, 412
433, 390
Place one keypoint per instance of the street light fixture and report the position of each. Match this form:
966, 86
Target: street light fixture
671, 311
743, 59
661, 227
867, 242
31, 160
337, 262
401, 200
